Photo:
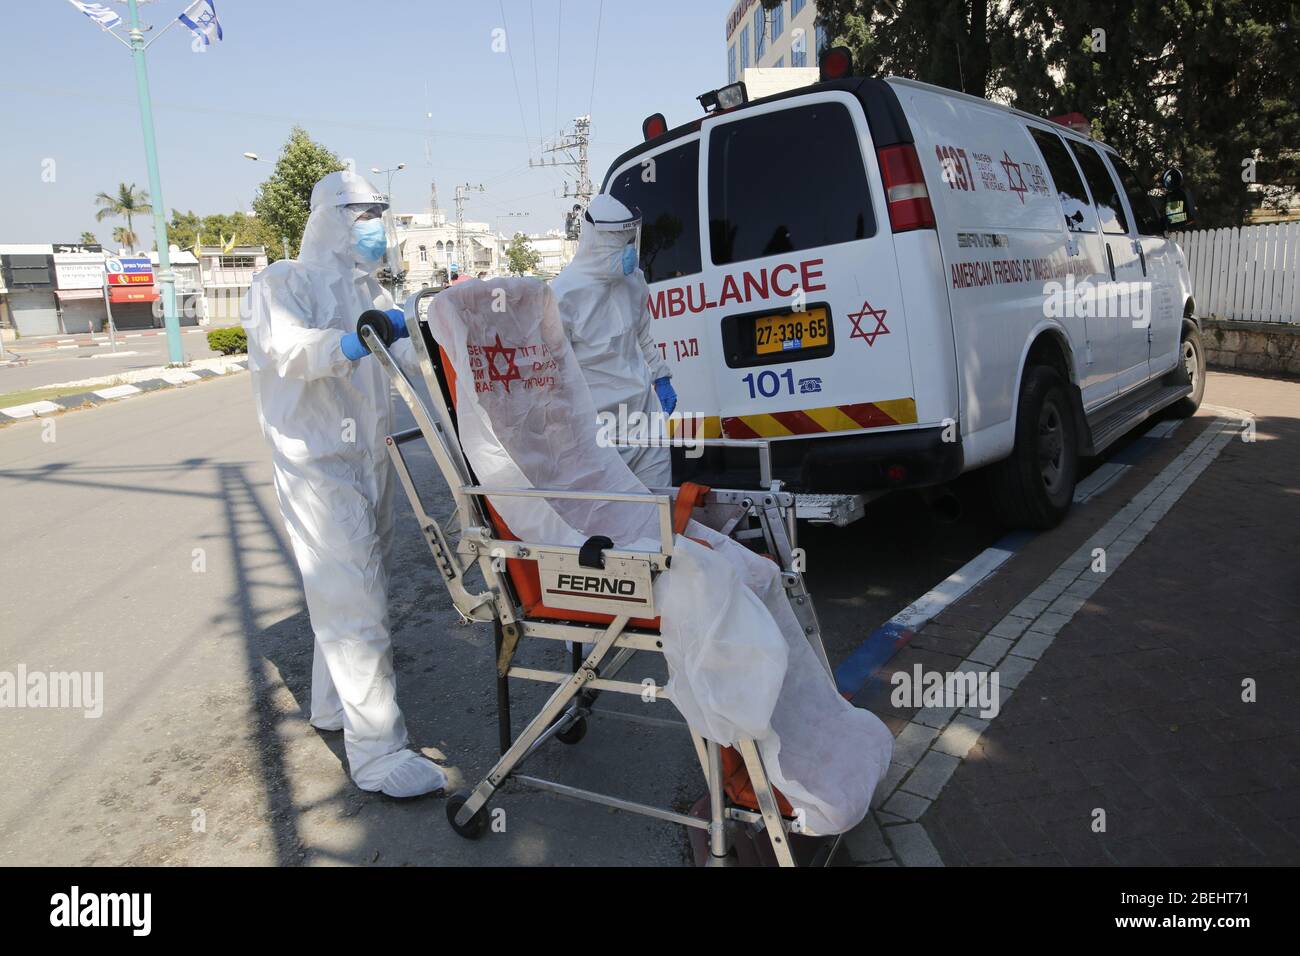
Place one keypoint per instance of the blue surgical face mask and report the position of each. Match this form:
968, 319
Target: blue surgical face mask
369, 239
629, 259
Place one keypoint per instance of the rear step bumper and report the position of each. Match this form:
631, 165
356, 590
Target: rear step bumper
857, 463
1113, 423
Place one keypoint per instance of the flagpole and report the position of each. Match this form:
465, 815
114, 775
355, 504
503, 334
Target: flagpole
165, 275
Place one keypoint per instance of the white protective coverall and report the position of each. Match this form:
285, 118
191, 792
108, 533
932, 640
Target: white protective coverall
606, 316
739, 664
326, 418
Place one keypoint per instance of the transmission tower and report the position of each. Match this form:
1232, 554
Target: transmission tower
461, 192
572, 148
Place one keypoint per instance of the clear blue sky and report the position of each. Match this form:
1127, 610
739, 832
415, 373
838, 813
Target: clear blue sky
354, 74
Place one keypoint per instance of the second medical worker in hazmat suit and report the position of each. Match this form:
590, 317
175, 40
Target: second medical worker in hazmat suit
603, 301
323, 401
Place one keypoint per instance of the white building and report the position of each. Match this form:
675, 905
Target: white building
226, 276
427, 246
783, 37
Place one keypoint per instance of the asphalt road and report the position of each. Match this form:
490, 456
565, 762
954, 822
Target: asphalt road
145, 543
46, 366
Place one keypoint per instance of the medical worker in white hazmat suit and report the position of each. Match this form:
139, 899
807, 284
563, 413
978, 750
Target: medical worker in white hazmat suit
323, 401
603, 301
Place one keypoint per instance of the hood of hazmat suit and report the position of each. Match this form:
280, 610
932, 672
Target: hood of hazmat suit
606, 316
739, 663
326, 418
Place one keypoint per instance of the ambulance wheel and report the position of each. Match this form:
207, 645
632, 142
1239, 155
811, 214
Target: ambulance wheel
574, 732
477, 824
1034, 486
1191, 368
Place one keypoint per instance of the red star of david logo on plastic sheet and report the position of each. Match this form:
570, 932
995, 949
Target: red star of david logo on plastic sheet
1016, 185
868, 311
505, 370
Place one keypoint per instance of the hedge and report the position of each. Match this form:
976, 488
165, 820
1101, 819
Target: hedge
228, 341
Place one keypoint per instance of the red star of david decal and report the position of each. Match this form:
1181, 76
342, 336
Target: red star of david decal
506, 375
1008, 164
856, 319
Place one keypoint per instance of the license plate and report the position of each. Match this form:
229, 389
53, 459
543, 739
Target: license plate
791, 331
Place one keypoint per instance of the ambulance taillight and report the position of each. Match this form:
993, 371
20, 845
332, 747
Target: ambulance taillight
905, 192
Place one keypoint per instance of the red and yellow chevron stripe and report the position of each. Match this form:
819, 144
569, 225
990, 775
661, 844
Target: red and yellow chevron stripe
811, 421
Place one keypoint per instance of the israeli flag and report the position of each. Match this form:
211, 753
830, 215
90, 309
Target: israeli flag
106, 18
201, 18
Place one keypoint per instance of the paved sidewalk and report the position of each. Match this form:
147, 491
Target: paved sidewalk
1124, 690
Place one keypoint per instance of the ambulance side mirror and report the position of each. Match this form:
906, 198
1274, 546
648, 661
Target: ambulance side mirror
1180, 205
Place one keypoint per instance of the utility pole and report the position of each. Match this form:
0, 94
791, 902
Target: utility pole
573, 147
165, 275
461, 193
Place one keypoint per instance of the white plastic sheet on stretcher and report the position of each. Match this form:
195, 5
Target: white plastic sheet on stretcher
573, 548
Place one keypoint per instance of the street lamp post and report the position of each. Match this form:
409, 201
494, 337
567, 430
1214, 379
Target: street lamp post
165, 274
391, 224
283, 239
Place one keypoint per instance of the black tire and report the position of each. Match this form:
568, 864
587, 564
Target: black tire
573, 733
477, 824
1034, 486
1191, 367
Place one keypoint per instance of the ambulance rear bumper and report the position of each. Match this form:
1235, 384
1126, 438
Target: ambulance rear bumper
910, 458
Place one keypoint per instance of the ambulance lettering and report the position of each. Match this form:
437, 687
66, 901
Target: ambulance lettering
780, 281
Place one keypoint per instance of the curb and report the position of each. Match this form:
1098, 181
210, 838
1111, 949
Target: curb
177, 378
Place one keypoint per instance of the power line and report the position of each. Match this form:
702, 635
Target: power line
537, 83
595, 56
510, 54
559, 36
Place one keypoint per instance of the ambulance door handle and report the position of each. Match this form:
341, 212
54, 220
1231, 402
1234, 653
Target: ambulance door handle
1137, 247
1111, 260
1072, 246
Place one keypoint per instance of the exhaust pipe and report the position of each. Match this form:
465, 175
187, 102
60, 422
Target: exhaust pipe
943, 502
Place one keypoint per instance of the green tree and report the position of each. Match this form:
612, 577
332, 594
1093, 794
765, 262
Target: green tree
88, 239
521, 257
1204, 84
125, 238
284, 200
243, 229
129, 203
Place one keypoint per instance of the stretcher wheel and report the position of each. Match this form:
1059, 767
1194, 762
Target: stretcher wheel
477, 824
382, 325
574, 732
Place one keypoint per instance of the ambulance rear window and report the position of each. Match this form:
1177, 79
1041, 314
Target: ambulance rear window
785, 181
666, 188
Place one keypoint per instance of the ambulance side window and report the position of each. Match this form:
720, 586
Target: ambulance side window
1110, 208
1079, 216
785, 181
1144, 210
666, 188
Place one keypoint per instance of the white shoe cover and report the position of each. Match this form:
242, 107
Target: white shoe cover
413, 776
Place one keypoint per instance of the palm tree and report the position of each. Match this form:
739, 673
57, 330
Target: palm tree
128, 202
124, 237
88, 239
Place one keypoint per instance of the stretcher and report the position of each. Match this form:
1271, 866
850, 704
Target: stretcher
597, 598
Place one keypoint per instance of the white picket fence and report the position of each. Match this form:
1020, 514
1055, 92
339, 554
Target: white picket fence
1251, 274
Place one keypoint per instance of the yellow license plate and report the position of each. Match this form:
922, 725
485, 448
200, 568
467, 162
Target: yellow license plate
792, 331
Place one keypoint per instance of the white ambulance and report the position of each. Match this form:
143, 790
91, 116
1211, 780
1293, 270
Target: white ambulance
898, 283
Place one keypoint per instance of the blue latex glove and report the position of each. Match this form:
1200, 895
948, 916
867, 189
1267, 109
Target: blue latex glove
398, 318
667, 395
352, 346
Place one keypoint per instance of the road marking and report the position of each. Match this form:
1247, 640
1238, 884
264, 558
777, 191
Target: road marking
888, 639
1102, 478
112, 354
30, 409
937, 740
117, 391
